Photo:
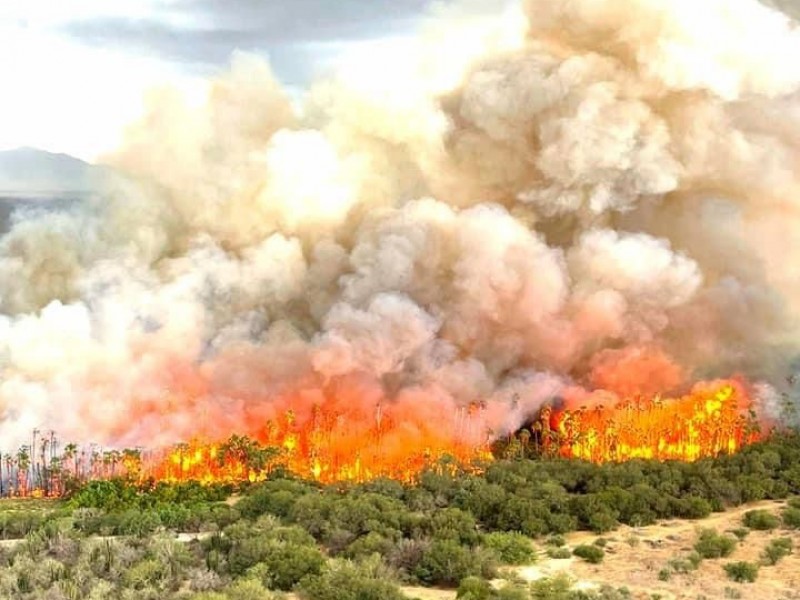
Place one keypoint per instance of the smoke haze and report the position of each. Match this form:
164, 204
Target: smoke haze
593, 194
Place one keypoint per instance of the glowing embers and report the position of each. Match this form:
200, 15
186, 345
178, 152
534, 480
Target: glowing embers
712, 419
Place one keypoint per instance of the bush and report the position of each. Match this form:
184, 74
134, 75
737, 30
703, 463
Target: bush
685, 564
512, 548
474, 588
742, 572
740, 533
288, 563
760, 520
446, 562
710, 544
776, 550
247, 589
559, 553
552, 588
591, 554
791, 517
344, 580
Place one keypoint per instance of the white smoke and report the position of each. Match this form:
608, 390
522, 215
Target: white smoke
489, 214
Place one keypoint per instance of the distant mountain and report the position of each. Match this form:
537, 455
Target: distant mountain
28, 172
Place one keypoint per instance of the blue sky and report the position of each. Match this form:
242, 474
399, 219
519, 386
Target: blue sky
76, 71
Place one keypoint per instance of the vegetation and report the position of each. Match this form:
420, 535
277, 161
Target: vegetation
742, 572
511, 548
761, 520
776, 550
559, 553
791, 514
711, 544
591, 554
450, 528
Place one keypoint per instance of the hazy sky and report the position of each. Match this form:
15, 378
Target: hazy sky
74, 71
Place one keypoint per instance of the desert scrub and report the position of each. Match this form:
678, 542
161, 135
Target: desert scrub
742, 572
776, 550
591, 554
559, 553
760, 520
711, 544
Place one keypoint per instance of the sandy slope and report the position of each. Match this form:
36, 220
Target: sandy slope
634, 557
636, 564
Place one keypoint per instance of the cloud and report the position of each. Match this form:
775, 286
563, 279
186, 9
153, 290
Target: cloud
296, 35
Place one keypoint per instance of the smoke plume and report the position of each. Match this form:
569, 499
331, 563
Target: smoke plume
593, 194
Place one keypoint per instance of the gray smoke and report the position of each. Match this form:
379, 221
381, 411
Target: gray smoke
565, 194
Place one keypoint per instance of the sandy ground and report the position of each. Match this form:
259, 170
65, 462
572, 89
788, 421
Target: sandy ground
634, 557
636, 564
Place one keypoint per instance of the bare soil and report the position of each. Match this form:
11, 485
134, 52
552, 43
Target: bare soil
636, 555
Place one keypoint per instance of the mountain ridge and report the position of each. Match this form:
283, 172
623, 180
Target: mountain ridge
27, 172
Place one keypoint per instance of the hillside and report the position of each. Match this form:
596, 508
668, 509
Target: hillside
29, 172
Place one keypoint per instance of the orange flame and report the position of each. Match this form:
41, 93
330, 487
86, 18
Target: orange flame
336, 439
710, 420
326, 447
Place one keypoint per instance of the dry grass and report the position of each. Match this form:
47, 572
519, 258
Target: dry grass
636, 564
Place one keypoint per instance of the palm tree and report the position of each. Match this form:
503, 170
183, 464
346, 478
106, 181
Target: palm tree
71, 454
9, 458
23, 464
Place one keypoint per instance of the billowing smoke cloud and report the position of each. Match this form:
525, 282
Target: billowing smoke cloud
584, 193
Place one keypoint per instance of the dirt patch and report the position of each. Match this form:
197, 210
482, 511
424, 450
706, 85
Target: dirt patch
635, 556
429, 593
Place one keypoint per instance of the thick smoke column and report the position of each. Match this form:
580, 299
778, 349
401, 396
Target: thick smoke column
583, 194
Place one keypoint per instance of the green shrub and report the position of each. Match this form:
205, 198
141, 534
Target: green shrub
552, 588
791, 517
556, 540
344, 580
289, 563
372, 543
776, 550
591, 554
710, 544
512, 548
742, 572
446, 562
247, 589
740, 533
474, 588
685, 564
511, 591
601, 542
559, 553
760, 520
